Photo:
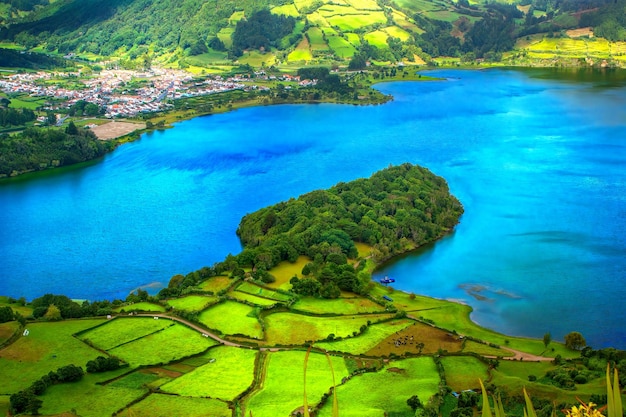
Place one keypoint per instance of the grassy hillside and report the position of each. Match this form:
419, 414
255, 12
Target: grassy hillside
201, 33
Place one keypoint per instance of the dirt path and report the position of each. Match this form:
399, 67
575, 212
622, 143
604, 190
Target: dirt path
523, 356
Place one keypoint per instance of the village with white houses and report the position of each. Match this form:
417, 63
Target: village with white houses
107, 88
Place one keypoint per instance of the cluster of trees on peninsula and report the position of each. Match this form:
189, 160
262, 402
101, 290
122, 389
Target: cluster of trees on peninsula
36, 149
396, 210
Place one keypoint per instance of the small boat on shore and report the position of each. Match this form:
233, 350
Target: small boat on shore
387, 280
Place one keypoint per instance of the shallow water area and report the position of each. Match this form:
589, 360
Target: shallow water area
536, 157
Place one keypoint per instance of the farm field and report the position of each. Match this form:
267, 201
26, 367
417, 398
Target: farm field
7, 330
174, 342
192, 302
337, 306
296, 329
232, 318
143, 306
259, 301
463, 372
23, 310
47, 347
263, 292
119, 331
228, 374
282, 391
284, 271
159, 405
367, 341
387, 390
215, 284
88, 398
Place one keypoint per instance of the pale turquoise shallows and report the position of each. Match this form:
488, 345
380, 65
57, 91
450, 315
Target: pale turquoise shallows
538, 158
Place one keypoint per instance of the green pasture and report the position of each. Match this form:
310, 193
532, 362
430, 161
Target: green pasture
88, 398
159, 405
405, 22
229, 375
463, 372
258, 59
253, 289
396, 32
208, 58
141, 306
284, 271
317, 43
301, 53
332, 9
513, 382
316, 19
341, 47
364, 250
215, 284
286, 10
123, 330
134, 380
387, 390
232, 318
192, 302
4, 405
349, 23
170, 344
523, 369
26, 102
337, 306
48, 347
7, 330
282, 389
236, 17
454, 316
296, 329
26, 310
363, 4
368, 340
485, 350
259, 301
377, 38
226, 36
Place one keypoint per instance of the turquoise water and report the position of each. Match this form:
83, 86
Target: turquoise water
538, 159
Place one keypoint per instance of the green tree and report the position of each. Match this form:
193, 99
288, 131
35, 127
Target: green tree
53, 313
6, 314
414, 402
575, 341
547, 338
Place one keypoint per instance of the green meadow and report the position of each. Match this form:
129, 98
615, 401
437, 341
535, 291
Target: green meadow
229, 372
123, 330
283, 387
337, 306
192, 302
161, 405
386, 390
463, 372
174, 343
47, 347
232, 318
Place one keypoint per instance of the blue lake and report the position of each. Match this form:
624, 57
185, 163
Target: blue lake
538, 159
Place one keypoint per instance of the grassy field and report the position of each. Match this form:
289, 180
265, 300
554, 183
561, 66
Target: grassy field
349, 23
317, 42
7, 330
377, 38
215, 284
170, 344
463, 372
387, 390
253, 289
229, 375
342, 47
282, 391
259, 301
284, 271
337, 306
88, 398
47, 347
159, 405
25, 311
485, 350
368, 341
301, 53
232, 318
123, 330
292, 329
286, 10
192, 302
454, 316
26, 102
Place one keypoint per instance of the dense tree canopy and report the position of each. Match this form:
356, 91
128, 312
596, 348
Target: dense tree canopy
261, 31
397, 209
36, 149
